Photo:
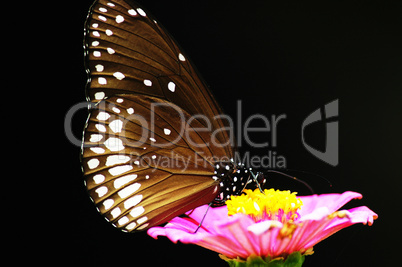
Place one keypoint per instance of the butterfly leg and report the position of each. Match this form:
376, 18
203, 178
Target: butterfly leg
202, 220
255, 178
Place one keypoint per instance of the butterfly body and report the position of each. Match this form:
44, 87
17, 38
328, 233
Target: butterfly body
232, 180
155, 144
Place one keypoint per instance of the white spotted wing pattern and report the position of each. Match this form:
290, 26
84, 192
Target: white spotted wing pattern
139, 178
144, 165
128, 51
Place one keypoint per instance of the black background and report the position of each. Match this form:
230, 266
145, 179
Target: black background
278, 57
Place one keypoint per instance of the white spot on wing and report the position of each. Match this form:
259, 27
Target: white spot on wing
131, 202
99, 95
95, 137
101, 191
116, 126
130, 111
95, 43
137, 211
118, 75
93, 163
142, 220
102, 116
115, 212
123, 220
141, 12
100, 127
110, 50
96, 33
166, 131
108, 203
97, 150
171, 86
99, 68
119, 18
102, 80
99, 178
116, 109
181, 57
131, 226
120, 169
116, 159
102, 9
132, 12
109, 32
129, 190
97, 54
102, 18
148, 82
114, 144
124, 180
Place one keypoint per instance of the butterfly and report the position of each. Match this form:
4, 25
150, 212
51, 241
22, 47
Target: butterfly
155, 144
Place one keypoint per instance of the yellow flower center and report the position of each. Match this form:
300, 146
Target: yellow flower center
271, 205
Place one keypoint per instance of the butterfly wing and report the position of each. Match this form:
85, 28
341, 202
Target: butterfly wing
128, 51
146, 160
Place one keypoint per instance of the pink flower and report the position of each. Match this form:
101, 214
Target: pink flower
240, 236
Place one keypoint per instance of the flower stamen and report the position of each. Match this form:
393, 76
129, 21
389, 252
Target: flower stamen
271, 204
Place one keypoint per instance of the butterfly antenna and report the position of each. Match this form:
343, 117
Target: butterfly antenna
202, 220
314, 174
294, 178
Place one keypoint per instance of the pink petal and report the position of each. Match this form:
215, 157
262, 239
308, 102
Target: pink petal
179, 229
363, 215
177, 234
356, 215
327, 227
308, 234
213, 215
332, 201
263, 226
316, 215
222, 245
230, 236
239, 235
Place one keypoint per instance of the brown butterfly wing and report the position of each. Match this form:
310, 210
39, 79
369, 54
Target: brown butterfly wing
145, 161
128, 51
